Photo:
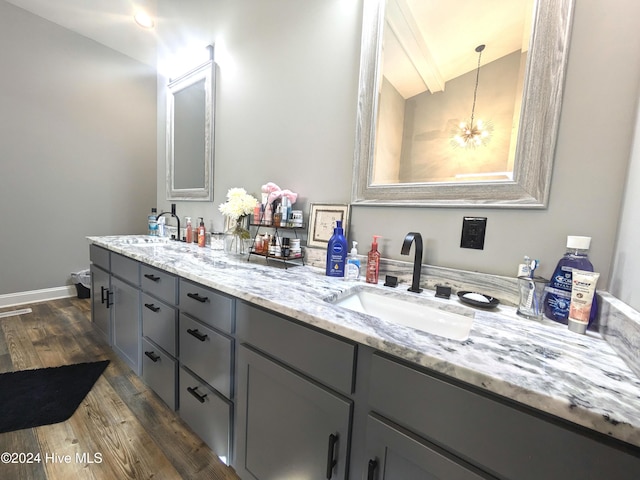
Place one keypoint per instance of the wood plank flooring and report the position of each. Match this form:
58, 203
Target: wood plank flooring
122, 430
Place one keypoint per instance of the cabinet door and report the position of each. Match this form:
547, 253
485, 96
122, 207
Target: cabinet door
126, 323
289, 427
398, 455
100, 302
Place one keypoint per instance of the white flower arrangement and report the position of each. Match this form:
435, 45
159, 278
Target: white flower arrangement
238, 205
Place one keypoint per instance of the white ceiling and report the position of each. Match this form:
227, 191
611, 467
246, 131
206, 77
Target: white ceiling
447, 32
434, 41
109, 22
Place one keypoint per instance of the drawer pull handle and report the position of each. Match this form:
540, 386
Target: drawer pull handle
192, 391
154, 358
197, 297
152, 277
106, 300
371, 469
331, 459
104, 296
152, 307
197, 334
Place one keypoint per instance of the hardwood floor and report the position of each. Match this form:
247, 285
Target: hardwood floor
122, 428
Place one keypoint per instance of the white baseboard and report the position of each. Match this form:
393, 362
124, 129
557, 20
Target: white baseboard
35, 296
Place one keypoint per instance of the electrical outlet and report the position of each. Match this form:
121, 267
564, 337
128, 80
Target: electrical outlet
473, 230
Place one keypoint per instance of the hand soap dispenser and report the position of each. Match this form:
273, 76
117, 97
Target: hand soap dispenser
373, 261
353, 264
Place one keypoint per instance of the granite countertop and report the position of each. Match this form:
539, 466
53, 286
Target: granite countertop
540, 364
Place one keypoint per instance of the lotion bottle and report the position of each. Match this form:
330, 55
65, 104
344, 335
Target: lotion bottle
201, 233
353, 264
373, 262
189, 230
336, 252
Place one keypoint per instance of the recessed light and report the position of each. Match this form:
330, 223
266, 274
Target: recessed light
143, 19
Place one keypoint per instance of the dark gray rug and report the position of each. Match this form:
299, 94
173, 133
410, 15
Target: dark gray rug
31, 398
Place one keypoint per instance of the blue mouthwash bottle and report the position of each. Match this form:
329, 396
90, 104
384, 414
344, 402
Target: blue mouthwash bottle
558, 299
336, 252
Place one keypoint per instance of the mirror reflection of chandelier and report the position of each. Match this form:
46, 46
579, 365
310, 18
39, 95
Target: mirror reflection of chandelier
473, 133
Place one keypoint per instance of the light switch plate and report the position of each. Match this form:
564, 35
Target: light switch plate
473, 230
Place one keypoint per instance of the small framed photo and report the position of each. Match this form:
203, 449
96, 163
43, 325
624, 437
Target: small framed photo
322, 221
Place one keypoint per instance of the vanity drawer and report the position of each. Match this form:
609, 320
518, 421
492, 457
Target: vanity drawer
99, 256
206, 353
159, 323
493, 434
159, 372
208, 414
160, 284
325, 358
206, 305
125, 268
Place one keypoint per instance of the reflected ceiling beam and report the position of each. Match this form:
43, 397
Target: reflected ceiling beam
407, 49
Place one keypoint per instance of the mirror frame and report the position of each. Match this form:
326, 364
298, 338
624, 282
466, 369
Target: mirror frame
204, 72
540, 114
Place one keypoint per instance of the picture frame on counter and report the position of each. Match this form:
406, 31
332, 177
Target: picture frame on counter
322, 221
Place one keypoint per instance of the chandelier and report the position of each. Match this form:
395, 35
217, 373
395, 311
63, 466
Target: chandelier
473, 133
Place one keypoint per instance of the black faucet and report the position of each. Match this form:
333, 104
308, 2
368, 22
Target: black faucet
417, 260
173, 214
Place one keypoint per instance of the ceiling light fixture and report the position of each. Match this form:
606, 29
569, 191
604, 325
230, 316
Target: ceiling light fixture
470, 134
143, 19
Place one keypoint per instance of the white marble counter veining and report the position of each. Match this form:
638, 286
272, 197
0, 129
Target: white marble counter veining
579, 378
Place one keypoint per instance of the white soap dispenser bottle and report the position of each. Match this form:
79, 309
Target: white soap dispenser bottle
353, 264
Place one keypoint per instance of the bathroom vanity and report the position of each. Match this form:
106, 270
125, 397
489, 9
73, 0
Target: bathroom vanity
282, 383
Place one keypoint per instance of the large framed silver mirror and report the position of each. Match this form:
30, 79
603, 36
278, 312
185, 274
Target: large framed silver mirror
190, 135
431, 72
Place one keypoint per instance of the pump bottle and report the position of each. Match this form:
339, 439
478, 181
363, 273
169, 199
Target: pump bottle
188, 230
201, 233
353, 264
336, 252
373, 262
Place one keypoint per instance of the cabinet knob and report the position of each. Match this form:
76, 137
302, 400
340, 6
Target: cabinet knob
151, 277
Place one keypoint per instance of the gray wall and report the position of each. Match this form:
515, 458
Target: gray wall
287, 92
77, 149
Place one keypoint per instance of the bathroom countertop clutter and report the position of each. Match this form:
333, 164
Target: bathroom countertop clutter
543, 365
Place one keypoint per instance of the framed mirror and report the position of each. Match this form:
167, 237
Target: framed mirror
190, 135
430, 69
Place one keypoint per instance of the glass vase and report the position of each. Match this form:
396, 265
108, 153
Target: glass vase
236, 241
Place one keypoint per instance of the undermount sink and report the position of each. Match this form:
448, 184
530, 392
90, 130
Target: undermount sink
411, 312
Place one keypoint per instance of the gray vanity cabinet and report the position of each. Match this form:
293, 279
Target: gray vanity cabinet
207, 412
496, 436
126, 322
115, 302
100, 301
159, 332
289, 425
206, 353
396, 454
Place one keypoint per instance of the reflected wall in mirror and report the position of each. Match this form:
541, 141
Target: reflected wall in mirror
422, 76
190, 113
